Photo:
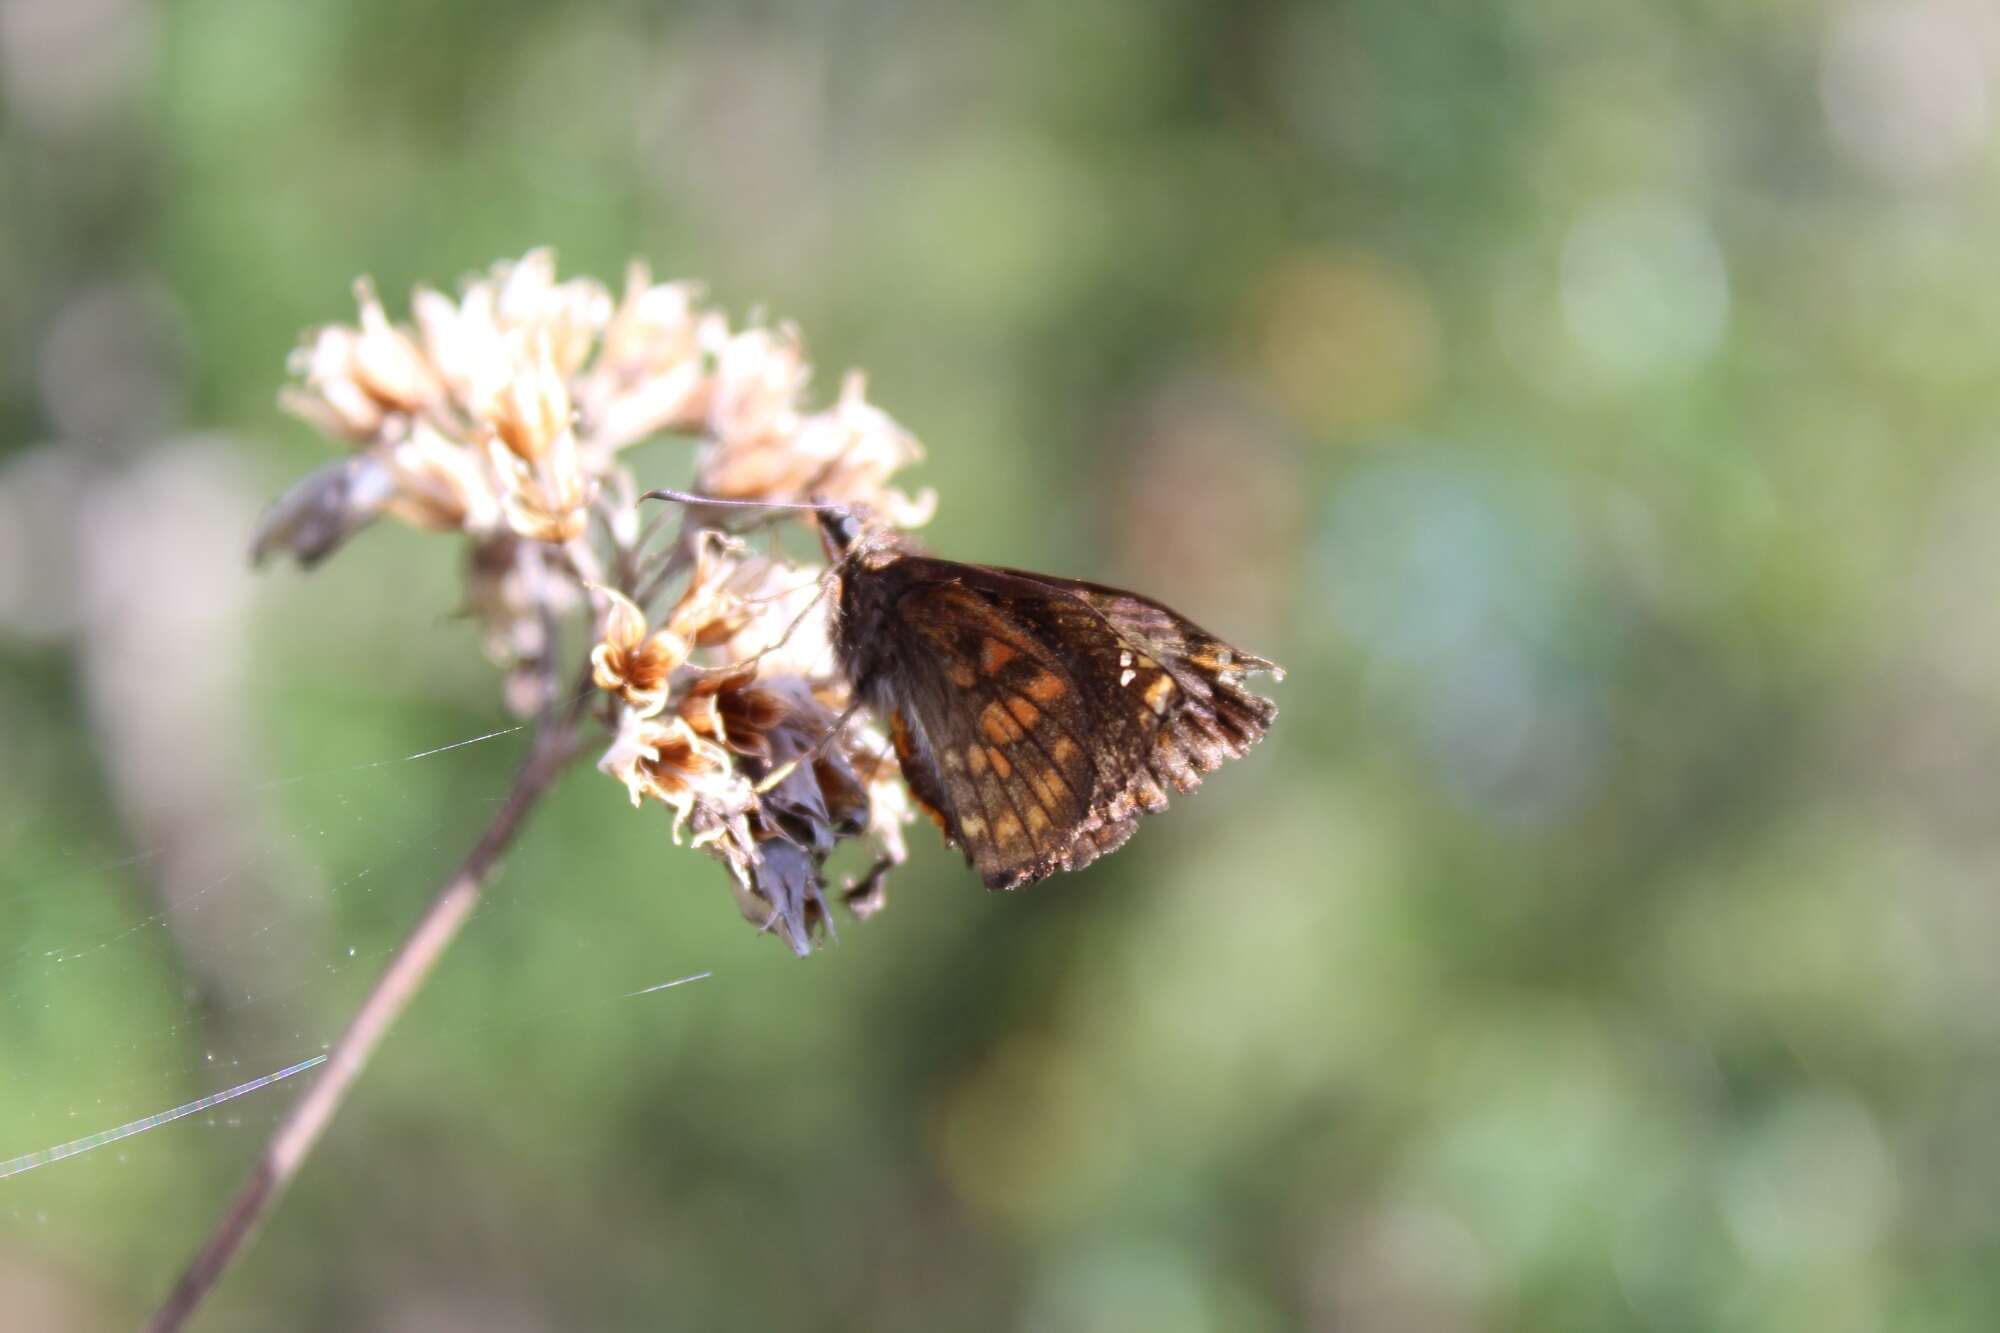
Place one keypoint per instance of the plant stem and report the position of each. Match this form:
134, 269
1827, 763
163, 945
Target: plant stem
554, 747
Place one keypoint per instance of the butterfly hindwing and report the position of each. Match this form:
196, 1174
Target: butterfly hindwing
1171, 683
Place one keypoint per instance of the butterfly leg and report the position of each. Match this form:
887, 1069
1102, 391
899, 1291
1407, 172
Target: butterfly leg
820, 746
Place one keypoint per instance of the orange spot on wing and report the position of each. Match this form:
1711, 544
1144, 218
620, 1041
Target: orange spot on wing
1024, 712
1046, 687
1000, 728
993, 654
1001, 763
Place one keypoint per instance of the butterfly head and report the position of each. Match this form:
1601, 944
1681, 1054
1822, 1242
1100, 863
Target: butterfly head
840, 528
854, 533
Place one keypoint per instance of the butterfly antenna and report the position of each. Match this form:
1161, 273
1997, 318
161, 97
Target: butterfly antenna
689, 498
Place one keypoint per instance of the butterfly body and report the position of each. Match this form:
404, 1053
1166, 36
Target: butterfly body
1036, 718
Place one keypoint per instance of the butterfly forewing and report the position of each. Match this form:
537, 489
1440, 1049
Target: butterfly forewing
1037, 718
999, 727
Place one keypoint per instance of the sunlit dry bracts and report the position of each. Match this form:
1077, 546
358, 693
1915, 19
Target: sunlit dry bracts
635, 661
501, 416
789, 632
765, 449
650, 374
631, 662
662, 759
750, 753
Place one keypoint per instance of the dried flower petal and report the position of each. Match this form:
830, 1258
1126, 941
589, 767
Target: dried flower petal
786, 894
547, 500
334, 400
441, 485
631, 663
532, 408
846, 453
656, 327
663, 759
388, 361
759, 375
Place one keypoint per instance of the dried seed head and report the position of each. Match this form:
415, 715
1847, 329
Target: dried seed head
823, 790
501, 415
846, 453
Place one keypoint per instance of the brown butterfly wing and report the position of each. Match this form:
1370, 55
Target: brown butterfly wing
1190, 682
991, 729
1039, 718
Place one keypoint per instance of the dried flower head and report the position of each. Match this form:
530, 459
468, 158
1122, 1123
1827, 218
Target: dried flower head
765, 448
501, 415
817, 788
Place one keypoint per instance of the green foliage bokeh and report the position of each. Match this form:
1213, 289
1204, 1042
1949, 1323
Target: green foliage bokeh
1588, 403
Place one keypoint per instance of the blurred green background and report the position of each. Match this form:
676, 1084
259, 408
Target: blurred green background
1588, 401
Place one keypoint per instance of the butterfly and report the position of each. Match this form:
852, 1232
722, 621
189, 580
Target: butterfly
1036, 719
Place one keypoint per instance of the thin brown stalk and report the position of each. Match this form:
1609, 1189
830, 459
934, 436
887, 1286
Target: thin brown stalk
295, 1137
